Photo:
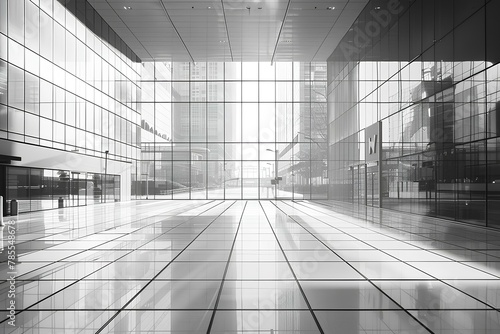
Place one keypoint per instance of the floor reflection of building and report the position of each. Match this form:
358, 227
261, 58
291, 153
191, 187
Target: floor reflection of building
429, 301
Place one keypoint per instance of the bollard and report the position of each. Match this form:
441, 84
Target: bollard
1, 211
14, 208
60, 203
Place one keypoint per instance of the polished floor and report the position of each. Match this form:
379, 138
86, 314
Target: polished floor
247, 267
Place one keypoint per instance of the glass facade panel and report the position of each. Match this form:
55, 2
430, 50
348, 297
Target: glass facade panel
229, 135
431, 84
41, 189
65, 85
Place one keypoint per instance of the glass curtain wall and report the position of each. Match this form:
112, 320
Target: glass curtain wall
233, 130
429, 72
41, 189
68, 83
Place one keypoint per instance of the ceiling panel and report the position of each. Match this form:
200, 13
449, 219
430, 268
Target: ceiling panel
180, 30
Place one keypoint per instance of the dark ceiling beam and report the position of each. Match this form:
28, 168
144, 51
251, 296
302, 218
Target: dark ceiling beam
176, 31
281, 29
227, 30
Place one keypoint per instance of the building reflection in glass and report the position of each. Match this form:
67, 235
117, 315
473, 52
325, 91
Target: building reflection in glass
437, 101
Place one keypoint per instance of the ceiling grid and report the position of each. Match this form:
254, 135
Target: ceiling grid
230, 30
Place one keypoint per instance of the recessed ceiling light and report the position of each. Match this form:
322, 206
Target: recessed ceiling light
127, 7
330, 8
222, 41
209, 7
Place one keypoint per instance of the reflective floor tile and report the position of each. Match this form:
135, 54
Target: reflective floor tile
318, 255
134, 256
141, 255
461, 255
64, 271
44, 255
357, 245
28, 293
261, 295
389, 270
177, 295
128, 270
370, 255
48, 321
120, 245
209, 245
92, 295
451, 270
460, 321
428, 295
257, 255
391, 244
490, 267
487, 291
262, 321
259, 271
161, 322
324, 270
300, 244
76, 244
369, 322
29, 246
97, 255
203, 255
23, 268
193, 270
163, 245
416, 255
325, 236
345, 295
270, 245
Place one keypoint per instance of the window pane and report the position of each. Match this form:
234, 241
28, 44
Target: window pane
32, 26
16, 121
16, 87
16, 20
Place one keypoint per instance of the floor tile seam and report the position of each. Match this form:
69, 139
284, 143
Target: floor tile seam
174, 227
419, 248
112, 220
360, 217
415, 216
82, 278
221, 286
95, 247
355, 269
405, 262
304, 296
159, 273
395, 238
69, 256
328, 224
52, 294
393, 256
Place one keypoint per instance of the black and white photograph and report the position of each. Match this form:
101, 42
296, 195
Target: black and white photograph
250, 166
